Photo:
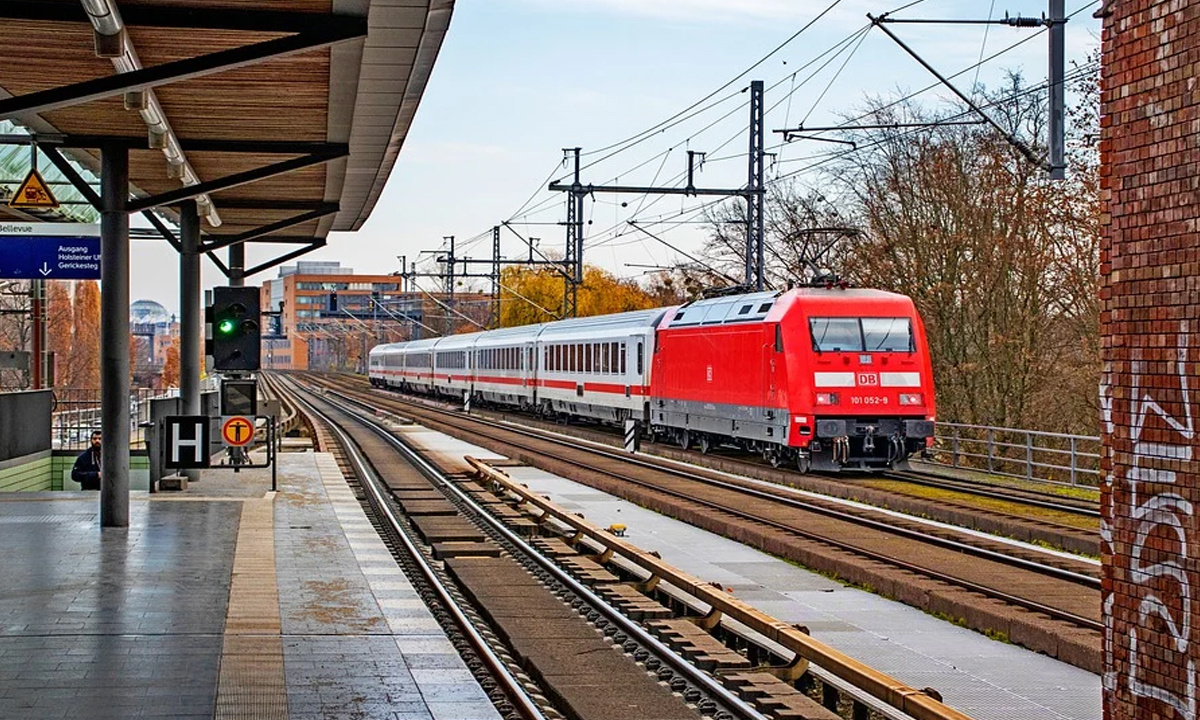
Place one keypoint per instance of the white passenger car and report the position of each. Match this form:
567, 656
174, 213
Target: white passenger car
506, 366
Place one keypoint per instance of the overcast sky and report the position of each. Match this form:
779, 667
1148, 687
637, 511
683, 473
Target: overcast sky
519, 80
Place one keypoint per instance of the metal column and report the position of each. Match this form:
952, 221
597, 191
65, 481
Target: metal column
237, 265
573, 258
755, 192
496, 276
1058, 163
190, 322
114, 336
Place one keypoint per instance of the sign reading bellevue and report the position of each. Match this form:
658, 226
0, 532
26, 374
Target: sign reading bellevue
50, 251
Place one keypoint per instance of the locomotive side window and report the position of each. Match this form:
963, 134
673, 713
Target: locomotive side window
836, 334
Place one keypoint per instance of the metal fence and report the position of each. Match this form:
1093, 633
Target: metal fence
77, 413
1013, 452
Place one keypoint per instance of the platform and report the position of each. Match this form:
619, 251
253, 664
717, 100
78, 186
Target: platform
987, 679
224, 601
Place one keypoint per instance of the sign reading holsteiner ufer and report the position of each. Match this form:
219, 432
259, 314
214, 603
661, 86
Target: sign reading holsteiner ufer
49, 251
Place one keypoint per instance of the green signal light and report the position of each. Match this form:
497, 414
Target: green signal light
226, 327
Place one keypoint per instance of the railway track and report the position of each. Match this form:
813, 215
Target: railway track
1046, 601
370, 452
1070, 524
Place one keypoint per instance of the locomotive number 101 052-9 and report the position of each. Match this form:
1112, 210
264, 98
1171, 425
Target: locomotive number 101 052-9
869, 400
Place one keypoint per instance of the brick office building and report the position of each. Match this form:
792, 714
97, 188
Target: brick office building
1150, 262
331, 316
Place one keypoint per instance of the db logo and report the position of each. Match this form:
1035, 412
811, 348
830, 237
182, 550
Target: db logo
868, 379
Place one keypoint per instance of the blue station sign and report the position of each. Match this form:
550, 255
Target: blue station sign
49, 251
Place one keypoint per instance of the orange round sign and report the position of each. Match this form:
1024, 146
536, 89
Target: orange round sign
237, 431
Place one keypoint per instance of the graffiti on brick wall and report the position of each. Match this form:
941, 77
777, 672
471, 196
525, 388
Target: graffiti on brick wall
1160, 519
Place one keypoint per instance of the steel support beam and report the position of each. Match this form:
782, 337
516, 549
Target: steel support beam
114, 337
141, 142
1057, 141
237, 265
231, 181
167, 16
644, 190
216, 242
281, 205
331, 29
163, 230
191, 325
71, 174
284, 258
755, 193
220, 265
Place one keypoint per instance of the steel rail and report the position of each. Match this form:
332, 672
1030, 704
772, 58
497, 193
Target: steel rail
966, 548
1017, 601
972, 488
882, 687
513, 687
631, 628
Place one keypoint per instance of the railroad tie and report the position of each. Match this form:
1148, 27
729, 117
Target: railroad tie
553, 547
633, 603
776, 698
697, 645
587, 571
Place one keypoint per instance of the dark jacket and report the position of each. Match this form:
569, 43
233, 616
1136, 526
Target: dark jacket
87, 469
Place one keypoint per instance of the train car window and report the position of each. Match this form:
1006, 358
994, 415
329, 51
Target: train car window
587, 357
616, 353
596, 356
836, 334
640, 359
622, 358
605, 358
579, 357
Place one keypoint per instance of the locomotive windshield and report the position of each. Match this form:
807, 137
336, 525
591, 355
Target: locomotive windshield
861, 334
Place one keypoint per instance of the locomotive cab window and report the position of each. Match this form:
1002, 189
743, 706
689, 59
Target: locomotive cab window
861, 334
887, 334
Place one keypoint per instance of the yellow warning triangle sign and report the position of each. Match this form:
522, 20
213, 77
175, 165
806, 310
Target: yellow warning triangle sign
33, 193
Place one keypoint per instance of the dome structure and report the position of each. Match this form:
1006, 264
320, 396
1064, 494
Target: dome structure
148, 312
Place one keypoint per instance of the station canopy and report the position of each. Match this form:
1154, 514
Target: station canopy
281, 118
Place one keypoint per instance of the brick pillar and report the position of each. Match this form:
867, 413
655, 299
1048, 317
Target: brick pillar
1150, 325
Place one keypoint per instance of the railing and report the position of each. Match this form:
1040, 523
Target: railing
1025, 454
77, 413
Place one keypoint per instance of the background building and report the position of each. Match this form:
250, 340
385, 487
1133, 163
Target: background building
153, 332
329, 317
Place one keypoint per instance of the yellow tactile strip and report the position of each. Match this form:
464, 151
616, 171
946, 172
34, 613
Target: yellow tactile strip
251, 682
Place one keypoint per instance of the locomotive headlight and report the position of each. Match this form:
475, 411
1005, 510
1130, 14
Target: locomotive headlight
827, 398
912, 399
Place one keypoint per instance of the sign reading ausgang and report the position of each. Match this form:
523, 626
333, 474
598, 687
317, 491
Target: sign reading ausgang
49, 251
186, 441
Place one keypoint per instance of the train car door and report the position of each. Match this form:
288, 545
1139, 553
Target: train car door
772, 357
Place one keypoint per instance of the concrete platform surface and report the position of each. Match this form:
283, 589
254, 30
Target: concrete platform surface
223, 601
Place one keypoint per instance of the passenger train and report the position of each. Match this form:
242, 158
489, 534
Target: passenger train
825, 378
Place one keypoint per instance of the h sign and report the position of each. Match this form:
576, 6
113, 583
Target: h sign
186, 439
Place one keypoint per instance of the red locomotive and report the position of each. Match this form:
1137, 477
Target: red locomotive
825, 378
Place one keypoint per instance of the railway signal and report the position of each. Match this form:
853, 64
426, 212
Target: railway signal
236, 330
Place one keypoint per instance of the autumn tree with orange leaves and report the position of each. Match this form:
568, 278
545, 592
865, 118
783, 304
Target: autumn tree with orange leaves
535, 294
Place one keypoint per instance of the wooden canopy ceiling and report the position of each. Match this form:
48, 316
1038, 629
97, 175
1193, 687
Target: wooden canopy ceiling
290, 113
